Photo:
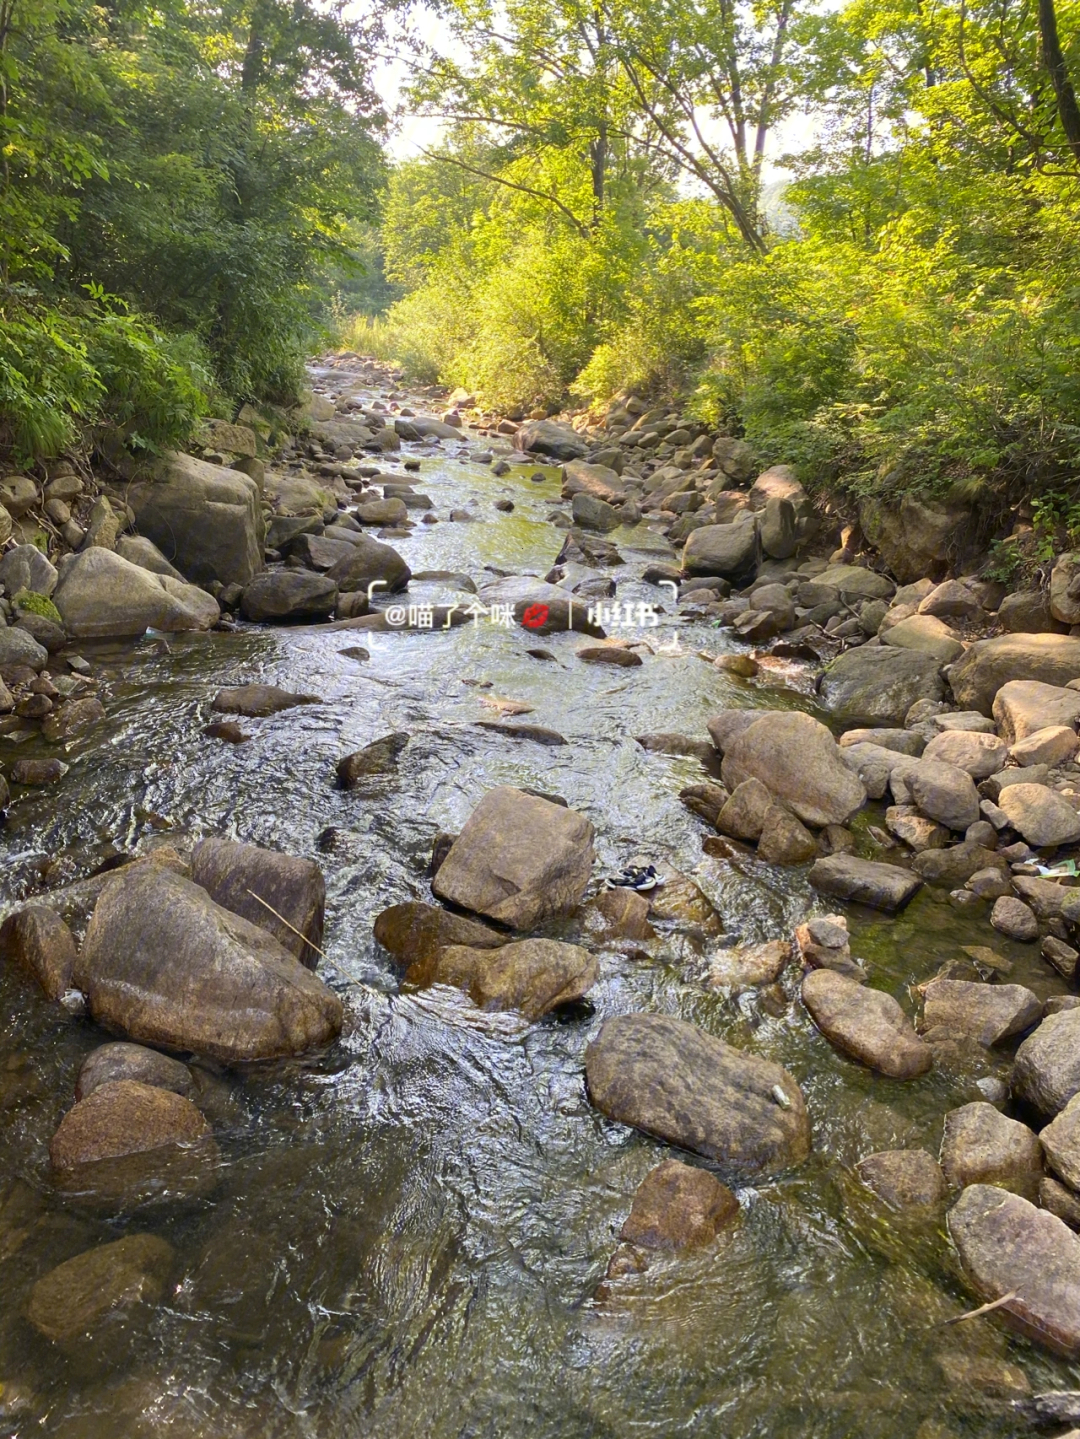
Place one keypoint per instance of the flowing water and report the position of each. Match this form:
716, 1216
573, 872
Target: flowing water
408, 1232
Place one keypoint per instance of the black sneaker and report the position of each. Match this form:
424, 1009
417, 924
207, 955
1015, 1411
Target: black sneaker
641, 880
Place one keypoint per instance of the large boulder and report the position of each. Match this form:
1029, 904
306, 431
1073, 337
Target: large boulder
865, 881
138, 550
72, 1299
865, 1024
798, 760
366, 562
1024, 707
876, 685
165, 965
990, 664
1065, 589
529, 975
26, 568
518, 860
101, 596
980, 1145
981, 755
206, 520
281, 893
1046, 1072
730, 551
1007, 1247
918, 537
681, 1085
944, 793
548, 437
855, 582
288, 595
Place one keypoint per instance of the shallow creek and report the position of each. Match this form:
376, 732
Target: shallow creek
408, 1231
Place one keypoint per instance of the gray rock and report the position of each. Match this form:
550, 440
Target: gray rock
944, 793
1014, 919
205, 519
112, 1062
1023, 707
1061, 1144
743, 815
1046, 1072
856, 583
369, 562
986, 1012
918, 833
903, 1178
981, 1146
926, 635
878, 685
26, 568
900, 741
563, 611
981, 755
675, 1082
138, 550
101, 596
864, 881
518, 860
18, 647
1040, 815
1007, 1246
594, 514
281, 893
547, 437
258, 701
165, 965
799, 761
956, 864
779, 528
865, 1024
730, 551
288, 595
990, 664
1028, 612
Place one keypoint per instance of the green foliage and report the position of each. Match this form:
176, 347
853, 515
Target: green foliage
35, 604
208, 163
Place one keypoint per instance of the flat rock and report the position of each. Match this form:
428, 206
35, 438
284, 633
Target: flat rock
1040, 815
518, 860
798, 760
37, 940
981, 1145
1008, 1246
112, 1062
609, 655
1046, 1072
990, 664
864, 881
1052, 746
900, 741
677, 1207
165, 965
72, 1299
532, 976
281, 893
903, 1178
865, 1024
877, 685
987, 1012
674, 1081
855, 582
258, 701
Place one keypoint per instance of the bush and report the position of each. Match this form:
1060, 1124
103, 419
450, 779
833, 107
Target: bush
66, 371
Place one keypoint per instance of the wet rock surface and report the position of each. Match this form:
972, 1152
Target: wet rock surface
865, 1024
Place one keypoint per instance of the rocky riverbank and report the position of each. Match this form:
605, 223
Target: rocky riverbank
809, 751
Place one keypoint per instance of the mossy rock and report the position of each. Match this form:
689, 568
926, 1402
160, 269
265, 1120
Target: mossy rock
36, 604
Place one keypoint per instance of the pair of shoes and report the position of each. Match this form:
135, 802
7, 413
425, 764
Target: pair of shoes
640, 879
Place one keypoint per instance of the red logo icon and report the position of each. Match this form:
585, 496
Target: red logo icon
535, 617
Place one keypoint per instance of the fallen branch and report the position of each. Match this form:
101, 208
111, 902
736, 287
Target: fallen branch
983, 1309
286, 923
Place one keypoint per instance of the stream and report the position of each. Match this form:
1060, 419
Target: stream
408, 1231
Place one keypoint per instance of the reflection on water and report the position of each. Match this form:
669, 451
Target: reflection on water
407, 1233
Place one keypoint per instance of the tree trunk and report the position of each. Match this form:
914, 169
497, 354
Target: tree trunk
1054, 60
